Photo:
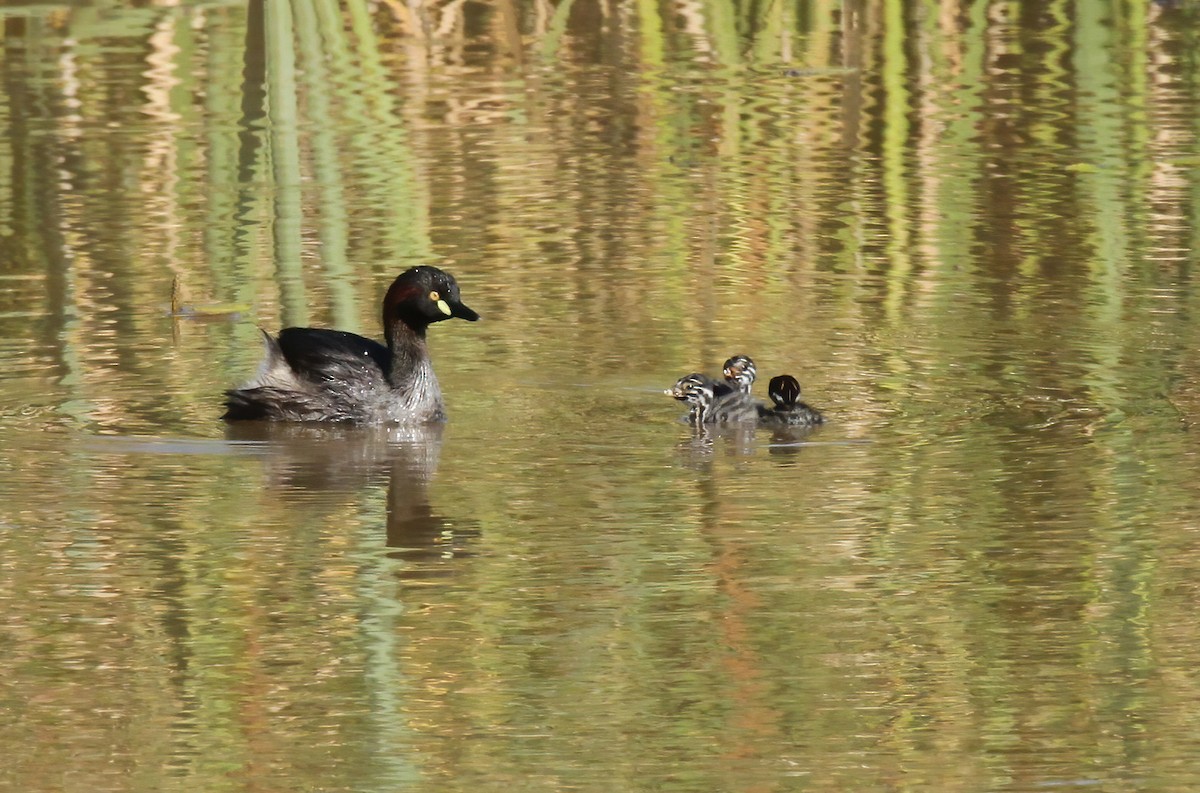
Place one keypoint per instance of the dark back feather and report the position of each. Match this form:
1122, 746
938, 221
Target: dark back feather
318, 355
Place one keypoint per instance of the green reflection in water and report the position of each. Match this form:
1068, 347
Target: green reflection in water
285, 159
968, 227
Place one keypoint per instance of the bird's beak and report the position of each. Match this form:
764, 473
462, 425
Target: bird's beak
459, 310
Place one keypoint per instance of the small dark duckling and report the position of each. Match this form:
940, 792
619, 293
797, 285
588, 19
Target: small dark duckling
313, 374
739, 374
784, 391
697, 390
707, 407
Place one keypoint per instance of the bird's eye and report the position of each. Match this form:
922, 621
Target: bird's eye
434, 296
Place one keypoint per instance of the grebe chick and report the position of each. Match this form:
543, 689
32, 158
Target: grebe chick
706, 407
739, 373
784, 391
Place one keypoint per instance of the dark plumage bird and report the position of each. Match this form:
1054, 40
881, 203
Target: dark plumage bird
784, 391
313, 374
707, 407
739, 374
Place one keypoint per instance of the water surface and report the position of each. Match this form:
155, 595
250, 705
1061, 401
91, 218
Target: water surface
968, 228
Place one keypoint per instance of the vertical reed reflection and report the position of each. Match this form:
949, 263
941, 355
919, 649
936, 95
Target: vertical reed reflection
970, 227
253, 100
283, 118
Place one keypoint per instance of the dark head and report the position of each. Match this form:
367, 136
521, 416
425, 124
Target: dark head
422, 296
740, 372
692, 388
784, 391
697, 390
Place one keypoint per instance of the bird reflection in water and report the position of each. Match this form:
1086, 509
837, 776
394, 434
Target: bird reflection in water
335, 458
784, 443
